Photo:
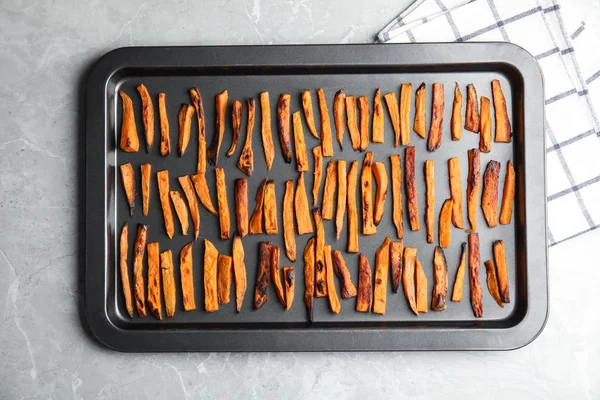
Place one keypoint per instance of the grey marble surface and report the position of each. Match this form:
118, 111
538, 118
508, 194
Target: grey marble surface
44, 352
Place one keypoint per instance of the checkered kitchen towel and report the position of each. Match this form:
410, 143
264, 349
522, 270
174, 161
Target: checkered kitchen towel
570, 61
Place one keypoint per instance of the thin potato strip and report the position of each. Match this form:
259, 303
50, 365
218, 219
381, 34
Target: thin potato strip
363, 108
289, 279
396, 264
445, 221
128, 179
408, 277
239, 272
212, 153
457, 291
382, 181
211, 297
474, 266
421, 289
180, 210
429, 200
283, 125
364, 297
397, 194
300, 146
352, 209
139, 248
485, 135
326, 136
263, 275
339, 267
392, 105
146, 170
405, 100
168, 281
165, 138
456, 120
163, 189
124, 270
147, 116
302, 211
308, 113
489, 195
339, 108
289, 237
456, 192
341, 197
224, 269
437, 118
256, 220
382, 267
236, 123
153, 301
270, 209
334, 302
411, 188
440, 280
201, 187
224, 219
500, 259
320, 273
472, 113
508, 194
318, 173
187, 278
246, 161
503, 129
492, 283
199, 106
309, 275
275, 276
130, 141
366, 184
184, 117
267, 135
241, 206
473, 186
419, 123
188, 188
329, 190
377, 134
352, 122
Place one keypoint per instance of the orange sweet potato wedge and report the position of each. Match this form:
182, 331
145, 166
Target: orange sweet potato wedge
408, 277
308, 113
275, 275
187, 278
201, 187
456, 120
472, 113
377, 134
405, 99
341, 197
246, 161
317, 173
212, 153
363, 108
329, 190
434, 139
199, 107
289, 237
397, 194
485, 135
396, 264
382, 267
411, 188
492, 282
382, 181
500, 258
508, 194
283, 125
239, 272
255, 226
300, 145
267, 135
224, 269
440, 280
456, 192
188, 189
326, 136
334, 301
320, 273
489, 195
241, 206
139, 248
503, 129
429, 200
445, 222
339, 267
124, 269
165, 138
352, 209
392, 105
168, 282
364, 298
457, 291
163, 190
128, 179
302, 211
421, 289
474, 267
289, 280
473, 187
147, 116
309, 275
419, 123
270, 209
366, 183
339, 109
352, 122
146, 170
224, 218
180, 210
263, 275
184, 118
211, 296
154, 301
236, 123
130, 141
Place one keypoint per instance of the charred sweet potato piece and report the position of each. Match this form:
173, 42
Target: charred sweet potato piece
437, 118
224, 219
224, 269
492, 283
163, 189
326, 136
308, 113
472, 113
239, 272
275, 277
421, 289
153, 300
199, 107
256, 225
289, 237
168, 282
460, 275
130, 141
211, 297
508, 194
309, 275
397, 194
263, 275
408, 277
339, 266
500, 258
377, 134
267, 135
474, 266
147, 116
456, 120
419, 123
236, 123
489, 195
289, 279
339, 108
201, 187
318, 173
429, 199
128, 179
352, 209
341, 197
381, 179
300, 146
329, 190
180, 210
405, 100
270, 209
352, 122
186, 112
445, 222
485, 135
187, 278
138, 270
241, 206
124, 270
392, 105
411, 188
473, 186
283, 125
364, 298
440, 280
382, 267
396, 254
146, 170
246, 161
320, 273
363, 108
334, 301
165, 138
188, 189
303, 220
212, 153
456, 192
503, 129
366, 184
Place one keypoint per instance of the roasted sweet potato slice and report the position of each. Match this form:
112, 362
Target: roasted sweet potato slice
147, 116
437, 118
188, 188
352, 209
397, 194
246, 161
334, 301
289, 279
392, 105
508, 194
165, 137
320, 273
263, 275
445, 222
211, 297
283, 125
124, 270
457, 291
381, 179
187, 278
419, 123
289, 237
267, 135
456, 192
363, 108
146, 170
180, 210
309, 275
339, 267
275, 276
366, 184
300, 145
201, 187
163, 190
364, 298
128, 179
456, 120
130, 141
318, 173
329, 190
303, 220
184, 118
503, 129
352, 122
382, 267
500, 258
377, 134
270, 209
339, 108
489, 195
326, 136
239, 272
168, 282
411, 188
236, 124
472, 112
154, 300
440, 280
408, 277
485, 135
396, 254
474, 267
405, 100
421, 289
492, 282
473, 186
224, 219
199, 107
139, 248
308, 113
224, 269
212, 153
256, 220
341, 197
241, 206
429, 199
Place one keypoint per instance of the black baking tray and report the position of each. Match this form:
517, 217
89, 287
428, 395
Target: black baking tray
360, 70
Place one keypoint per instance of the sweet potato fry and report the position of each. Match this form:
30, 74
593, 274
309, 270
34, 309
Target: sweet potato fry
492, 283
377, 134
236, 123
326, 136
308, 113
473, 186
212, 153
318, 173
429, 199
339, 267
352, 210
165, 138
246, 161
224, 269
408, 277
421, 289
500, 259
320, 273
485, 135
341, 198
283, 125
256, 220
128, 179
382, 267
153, 300
440, 280
334, 302
263, 275
410, 180
270, 209
364, 298
472, 113
146, 170
289, 279
239, 272
309, 275
187, 278
303, 220
275, 276
329, 190
366, 184
437, 117
396, 253
397, 194
300, 146
508, 194
211, 297
474, 266
241, 206
130, 141
188, 189
124, 270
199, 106
405, 100
163, 189
381, 178
445, 222
267, 136
456, 192
457, 291
147, 116
138, 270
289, 237
419, 123
489, 195
339, 108
186, 112
456, 120
352, 122
503, 129
392, 105
168, 282
224, 220
180, 210
201, 187
363, 108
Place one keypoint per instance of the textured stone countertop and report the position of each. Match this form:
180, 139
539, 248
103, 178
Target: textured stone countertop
44, 352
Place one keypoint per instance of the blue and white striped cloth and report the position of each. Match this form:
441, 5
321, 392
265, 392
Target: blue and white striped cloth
570, 60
